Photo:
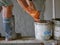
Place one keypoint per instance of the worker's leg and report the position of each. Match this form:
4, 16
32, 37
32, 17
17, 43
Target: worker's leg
7, 15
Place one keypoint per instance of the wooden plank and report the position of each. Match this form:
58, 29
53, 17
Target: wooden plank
25, 40
28, 40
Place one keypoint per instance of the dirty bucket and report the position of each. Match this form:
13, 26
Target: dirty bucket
43, 30
56, 28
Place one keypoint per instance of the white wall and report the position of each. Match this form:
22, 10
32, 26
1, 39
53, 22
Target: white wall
48, 10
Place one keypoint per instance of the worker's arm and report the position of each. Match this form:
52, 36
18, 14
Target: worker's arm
26, 4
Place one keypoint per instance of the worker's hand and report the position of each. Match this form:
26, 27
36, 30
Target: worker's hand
36, 16
0, 8
34, 13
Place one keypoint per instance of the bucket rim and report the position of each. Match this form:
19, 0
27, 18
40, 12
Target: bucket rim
43, 22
